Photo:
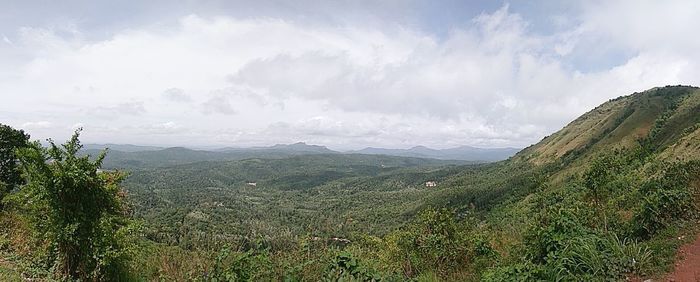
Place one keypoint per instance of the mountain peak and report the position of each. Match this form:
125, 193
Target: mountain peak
420, 147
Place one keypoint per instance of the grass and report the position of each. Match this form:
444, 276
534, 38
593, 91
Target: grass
9, 275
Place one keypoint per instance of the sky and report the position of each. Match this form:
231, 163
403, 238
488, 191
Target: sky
344, 74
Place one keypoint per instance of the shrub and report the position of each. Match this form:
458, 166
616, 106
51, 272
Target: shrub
240, 266
10, 175
434, 242
667, 198
77, 210
551, 233
346, 267
601, 256
525, 271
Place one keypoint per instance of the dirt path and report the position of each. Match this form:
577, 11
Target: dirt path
688, 268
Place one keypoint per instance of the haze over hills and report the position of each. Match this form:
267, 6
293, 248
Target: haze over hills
181, 155
133, 156
296, 147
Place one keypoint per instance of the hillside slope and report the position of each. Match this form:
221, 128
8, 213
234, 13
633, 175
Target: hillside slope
665, 120
620, 190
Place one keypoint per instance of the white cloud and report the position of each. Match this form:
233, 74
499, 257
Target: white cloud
218, 104
264, 80
168, 127
176, 95
119, 110
36, 125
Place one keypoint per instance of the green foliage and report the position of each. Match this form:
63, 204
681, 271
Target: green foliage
601, 172
78, 211
208, 204
552, 236
563, 245
581, 258
434, 242
580, 234
10, 175
251, 265
668, 197
346, 267
601, 256
520, 272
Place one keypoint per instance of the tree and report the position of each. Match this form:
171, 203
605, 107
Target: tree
75, 207
10, 140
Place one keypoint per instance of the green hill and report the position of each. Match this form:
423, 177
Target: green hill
662, 118
118, 159
309, 193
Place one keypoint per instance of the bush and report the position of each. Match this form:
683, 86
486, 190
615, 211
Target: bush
10, 175
434, 242
240, 266
79, 212
551, 233
525, 271
346, 267
601, 256
667, 198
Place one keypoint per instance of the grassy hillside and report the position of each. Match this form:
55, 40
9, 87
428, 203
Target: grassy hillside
660, 117
624, 176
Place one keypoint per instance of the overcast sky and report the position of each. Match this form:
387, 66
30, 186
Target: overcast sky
345, 74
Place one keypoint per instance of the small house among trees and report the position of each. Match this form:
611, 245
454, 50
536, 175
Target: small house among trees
431, 184
251, 183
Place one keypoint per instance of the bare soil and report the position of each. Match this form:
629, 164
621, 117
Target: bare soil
688, 266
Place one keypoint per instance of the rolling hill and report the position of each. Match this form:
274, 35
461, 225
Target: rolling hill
137, 157
163, 157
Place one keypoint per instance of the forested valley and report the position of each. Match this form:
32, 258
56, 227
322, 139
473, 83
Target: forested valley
611, 196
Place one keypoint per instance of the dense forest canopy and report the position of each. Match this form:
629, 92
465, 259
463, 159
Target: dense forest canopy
609, 197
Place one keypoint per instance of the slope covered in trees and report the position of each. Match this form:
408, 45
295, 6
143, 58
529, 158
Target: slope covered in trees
611, 196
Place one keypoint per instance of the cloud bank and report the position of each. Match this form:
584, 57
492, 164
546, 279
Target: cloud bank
230, 81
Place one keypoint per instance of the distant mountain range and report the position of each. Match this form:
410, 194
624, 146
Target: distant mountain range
134, 156
131, 156
296, 147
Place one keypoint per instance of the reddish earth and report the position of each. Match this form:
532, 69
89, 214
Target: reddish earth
688, 267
